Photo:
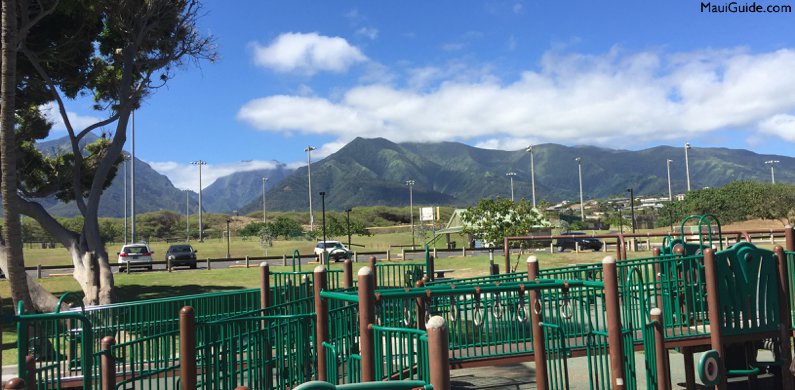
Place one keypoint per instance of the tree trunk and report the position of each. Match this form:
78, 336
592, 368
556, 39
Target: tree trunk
94, 274
12, 229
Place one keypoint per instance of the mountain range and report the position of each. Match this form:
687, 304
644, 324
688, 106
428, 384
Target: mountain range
369, 172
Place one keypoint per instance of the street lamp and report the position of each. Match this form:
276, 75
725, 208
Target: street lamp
348, 220
126, 158
132, 181
772, 163
632, 207
201, 227
532, 174
264, 210
668, 167
687, 165
227, 238
511, 175
308, 151
323, 204
187, 215
410, 183
579, 170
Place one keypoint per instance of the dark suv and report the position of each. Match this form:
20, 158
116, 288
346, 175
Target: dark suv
576, 238
181, 254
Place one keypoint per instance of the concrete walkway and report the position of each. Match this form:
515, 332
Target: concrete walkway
522, 376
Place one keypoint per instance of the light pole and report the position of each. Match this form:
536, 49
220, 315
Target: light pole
579, 170
201, 227
511, 175
687, 165
126, 159
132, 181
632, 207
227, 238
308, 151
772, 163
348, 220
323, 205
264, 210
532, 174
187, 215
668, 168
410, 183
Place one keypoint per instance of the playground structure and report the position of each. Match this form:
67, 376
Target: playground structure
394, 327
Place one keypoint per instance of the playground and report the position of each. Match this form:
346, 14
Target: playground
707, 309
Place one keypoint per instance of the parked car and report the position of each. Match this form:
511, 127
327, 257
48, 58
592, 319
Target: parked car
580, 238
135, 255
335, 249
181, 254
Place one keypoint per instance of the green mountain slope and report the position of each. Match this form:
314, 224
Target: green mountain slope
374, 171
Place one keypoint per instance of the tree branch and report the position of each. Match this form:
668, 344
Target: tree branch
47, 221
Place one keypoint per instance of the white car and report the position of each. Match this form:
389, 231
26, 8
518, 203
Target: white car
135, 255
335, 249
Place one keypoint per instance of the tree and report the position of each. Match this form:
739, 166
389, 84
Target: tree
286, 228
119, 52
491, 220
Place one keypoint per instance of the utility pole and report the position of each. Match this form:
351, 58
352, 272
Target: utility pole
410, 183
308, 151
201, 227
264, 209
532, 174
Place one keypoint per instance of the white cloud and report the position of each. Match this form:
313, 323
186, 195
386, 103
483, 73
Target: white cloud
307, 53
368, 32
79, 122
616, 99
781, 125
186, 176
505, 143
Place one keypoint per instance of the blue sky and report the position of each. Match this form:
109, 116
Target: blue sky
493, 74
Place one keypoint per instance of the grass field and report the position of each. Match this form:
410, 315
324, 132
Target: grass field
238, 247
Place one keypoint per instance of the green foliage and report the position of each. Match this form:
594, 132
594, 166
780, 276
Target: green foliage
161, 224
254, 229
285, 227
492, 220
736, 201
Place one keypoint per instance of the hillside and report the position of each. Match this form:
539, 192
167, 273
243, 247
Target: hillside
374, 171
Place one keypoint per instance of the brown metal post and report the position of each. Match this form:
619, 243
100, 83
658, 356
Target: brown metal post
537, 316
713, 306
366, 289
786, 318
614, 340
187, 348
321, 322
15, 384
264, 285
438, 353
374, 269
347, 269
789, 238
30, 367
242, 388
108, 364
661, 354
507, 253
420, 307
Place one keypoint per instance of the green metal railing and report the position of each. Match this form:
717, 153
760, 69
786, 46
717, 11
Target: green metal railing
273, 352
400, 274
148, 362
791, 269
475, 280
400, 352
61, 343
